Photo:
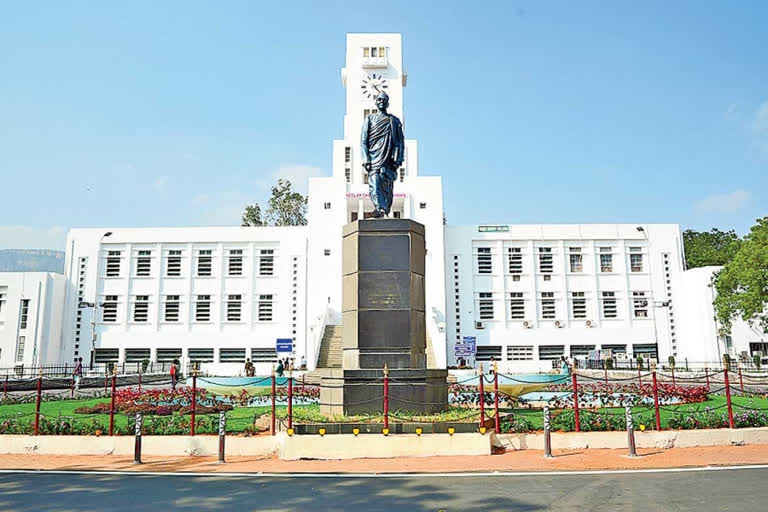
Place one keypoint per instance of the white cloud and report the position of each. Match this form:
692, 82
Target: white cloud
298, 175
160, 183
760, 126
33, 237
725, 202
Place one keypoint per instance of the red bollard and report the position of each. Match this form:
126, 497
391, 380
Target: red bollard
656, 401
193, 404
37, 401
639, 377
72, 388
482, 398
272, 426
674, 383
112, 403
105, 381
5, 389
139, 380
576, 402
706, 374
605, 372
496, 395
290, 400
728, 397
386, 396
741, 381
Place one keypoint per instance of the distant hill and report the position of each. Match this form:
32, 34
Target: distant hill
31, 260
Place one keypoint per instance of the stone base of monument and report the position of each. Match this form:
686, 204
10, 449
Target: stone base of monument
351, 392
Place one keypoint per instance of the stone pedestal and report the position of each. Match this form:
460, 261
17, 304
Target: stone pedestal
383, 322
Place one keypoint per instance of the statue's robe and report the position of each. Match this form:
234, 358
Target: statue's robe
383, 146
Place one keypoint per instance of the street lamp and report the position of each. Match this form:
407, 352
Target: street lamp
95, 304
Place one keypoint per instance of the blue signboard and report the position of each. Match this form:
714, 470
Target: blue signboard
471, 340
467, 347
284, 345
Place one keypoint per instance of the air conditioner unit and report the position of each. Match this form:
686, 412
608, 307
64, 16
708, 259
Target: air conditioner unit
589, 323
526, 324
479, 325
558, 324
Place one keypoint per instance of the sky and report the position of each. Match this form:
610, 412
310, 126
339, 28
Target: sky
130, 114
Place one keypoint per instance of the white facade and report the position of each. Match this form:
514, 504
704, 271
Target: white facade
526, 293
30, 318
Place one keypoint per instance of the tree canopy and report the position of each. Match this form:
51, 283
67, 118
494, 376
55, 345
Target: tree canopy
742, 284
284, 208
705, 248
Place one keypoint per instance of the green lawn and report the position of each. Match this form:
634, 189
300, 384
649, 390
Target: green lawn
241, 418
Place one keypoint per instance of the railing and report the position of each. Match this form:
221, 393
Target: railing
316, 338
67, 369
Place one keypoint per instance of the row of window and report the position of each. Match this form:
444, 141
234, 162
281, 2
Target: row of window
348, 160
202, 307
198, 355
203, 263
484, 260
554, 352
548, 305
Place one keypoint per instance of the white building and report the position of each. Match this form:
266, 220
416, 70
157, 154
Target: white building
527, 293
30, 318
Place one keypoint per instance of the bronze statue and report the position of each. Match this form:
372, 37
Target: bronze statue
383, 150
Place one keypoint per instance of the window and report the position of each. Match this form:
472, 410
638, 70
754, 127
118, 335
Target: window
172, 307
486, 352
515, 263
106, 355
551, 352
548, 310
113, 263
20, 348
374, 52
141, 308
204, 262
578, 305
326, 206
520, 352
263, 355
167, 355
109, 308
366, 52
402, 174
327, 252
265, 308
143, 263
136, 355
422, 205
348, 174
347, 155
609, 305
24, 313
484, 262
2, 297
235, 267
636, 259
485, 305
365, 178
200, 355
606, 259
174, 264
203, 308
267, 262
575, 259
234, 308
545, 260
581, 350
640, 304
231, 355
516, 306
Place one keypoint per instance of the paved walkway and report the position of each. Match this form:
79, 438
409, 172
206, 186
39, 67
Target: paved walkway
526, 460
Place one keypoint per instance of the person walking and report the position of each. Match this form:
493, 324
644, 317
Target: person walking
174, 375
280, 368
78, 373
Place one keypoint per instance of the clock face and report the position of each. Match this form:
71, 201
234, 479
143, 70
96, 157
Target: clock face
372, 85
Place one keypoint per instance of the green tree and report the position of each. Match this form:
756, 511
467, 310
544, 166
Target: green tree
252, 215
284, 208
742, 284
704, 248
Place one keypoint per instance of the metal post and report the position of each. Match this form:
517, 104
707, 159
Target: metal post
112, 403
576, 402
547, 434
706, 373
72, 388
482, 398
496, 395
106, 376
137, 445
5, 388
728, 397
674, 382
194, 402
639, 377
272, 427
741, 380
605, 371
139, 379
656, 400
386, 396
222, 434
290, 400
630, 431
37, 401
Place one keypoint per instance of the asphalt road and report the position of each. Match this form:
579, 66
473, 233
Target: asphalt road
722, 490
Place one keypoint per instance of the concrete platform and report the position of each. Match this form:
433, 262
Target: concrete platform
346, 446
